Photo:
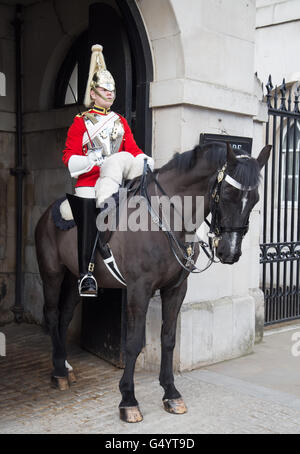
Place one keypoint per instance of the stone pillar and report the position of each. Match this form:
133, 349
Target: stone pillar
205, 83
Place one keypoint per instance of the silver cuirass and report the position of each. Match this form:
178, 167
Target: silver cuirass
105, 133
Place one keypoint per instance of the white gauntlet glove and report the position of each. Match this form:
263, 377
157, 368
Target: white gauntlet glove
138, 166
78, 164
96, 158
150, 162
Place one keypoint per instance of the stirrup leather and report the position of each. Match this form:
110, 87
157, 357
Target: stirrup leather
80, 281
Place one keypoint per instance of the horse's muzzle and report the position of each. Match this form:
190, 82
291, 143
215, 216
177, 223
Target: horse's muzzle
228, 259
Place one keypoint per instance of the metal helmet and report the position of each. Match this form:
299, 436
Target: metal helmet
99, 76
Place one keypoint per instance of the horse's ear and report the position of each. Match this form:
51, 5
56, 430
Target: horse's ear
264, 156
231, 157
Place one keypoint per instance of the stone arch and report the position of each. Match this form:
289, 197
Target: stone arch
54, 62
165, 38
142, 58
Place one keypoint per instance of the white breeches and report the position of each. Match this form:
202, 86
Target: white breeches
115, 168
87, 192
119, 166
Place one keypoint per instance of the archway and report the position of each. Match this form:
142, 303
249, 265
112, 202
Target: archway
128, 57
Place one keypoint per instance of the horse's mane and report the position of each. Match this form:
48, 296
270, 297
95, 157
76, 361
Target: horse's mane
246, 172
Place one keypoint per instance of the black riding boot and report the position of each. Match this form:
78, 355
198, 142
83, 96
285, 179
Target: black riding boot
84, 213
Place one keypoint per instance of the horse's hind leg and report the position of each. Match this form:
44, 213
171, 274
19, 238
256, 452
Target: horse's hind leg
137, 305
52, 291
69, 298
171, 303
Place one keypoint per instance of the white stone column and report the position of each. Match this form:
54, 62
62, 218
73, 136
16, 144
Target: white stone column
205, 83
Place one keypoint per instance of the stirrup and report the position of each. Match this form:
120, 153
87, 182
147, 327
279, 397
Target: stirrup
80, 282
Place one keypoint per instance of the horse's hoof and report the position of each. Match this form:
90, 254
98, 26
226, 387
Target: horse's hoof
175, 406
71, 377
131, 414
60, 383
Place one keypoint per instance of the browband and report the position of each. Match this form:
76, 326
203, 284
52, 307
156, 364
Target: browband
235, 183
238, 185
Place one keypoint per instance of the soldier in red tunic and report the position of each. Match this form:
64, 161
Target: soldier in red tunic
93, 138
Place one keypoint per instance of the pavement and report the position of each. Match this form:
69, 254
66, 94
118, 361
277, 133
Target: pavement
255, 394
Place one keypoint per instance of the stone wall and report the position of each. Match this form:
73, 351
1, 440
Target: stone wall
48, 180
7, 161
277, 40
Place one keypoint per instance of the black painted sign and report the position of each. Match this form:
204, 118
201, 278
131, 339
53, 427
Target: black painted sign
237, 143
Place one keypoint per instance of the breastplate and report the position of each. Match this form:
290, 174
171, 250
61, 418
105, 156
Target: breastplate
109, 139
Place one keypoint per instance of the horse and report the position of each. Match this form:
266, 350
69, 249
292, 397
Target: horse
228, 183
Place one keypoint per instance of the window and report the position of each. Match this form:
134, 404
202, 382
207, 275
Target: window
72, 89
73, 72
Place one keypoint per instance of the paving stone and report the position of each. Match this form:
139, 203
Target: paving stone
215, 405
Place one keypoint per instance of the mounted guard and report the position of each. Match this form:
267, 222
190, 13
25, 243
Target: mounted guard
95, 139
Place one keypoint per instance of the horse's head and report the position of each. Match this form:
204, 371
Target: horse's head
233, 196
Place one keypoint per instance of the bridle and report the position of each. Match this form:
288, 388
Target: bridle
215, 227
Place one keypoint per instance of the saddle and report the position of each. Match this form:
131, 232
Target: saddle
62, 214
63, 220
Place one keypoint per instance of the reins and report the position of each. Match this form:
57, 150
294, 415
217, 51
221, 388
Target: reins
187, 250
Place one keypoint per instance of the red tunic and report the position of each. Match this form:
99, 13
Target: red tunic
74, 146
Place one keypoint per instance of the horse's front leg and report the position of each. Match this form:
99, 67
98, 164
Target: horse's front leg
171, 302
137, 304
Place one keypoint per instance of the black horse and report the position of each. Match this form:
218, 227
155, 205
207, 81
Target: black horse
229, 185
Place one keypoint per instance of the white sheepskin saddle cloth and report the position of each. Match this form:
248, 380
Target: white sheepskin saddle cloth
119, 166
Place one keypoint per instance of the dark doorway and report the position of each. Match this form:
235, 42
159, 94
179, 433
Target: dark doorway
128, 58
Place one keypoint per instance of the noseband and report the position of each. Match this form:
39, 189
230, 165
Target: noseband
215, 227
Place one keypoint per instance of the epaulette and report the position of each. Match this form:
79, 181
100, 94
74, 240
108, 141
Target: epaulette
87, 113
82, 114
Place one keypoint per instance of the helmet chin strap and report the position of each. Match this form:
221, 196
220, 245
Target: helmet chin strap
103, 97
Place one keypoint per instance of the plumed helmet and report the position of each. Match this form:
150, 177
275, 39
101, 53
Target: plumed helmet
99, 76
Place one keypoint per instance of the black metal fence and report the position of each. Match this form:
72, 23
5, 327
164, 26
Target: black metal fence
280, 247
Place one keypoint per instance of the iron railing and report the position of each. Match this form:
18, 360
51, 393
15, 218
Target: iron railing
280, 246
